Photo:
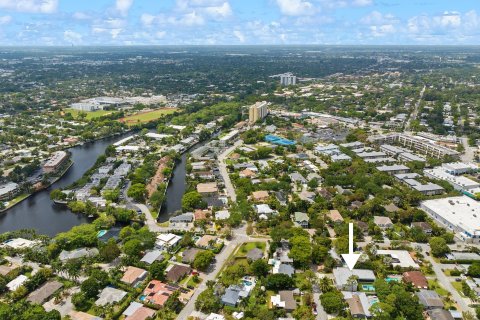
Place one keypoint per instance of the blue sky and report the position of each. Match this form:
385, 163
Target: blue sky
150, 22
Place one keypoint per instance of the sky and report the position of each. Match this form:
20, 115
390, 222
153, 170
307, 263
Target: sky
239, 22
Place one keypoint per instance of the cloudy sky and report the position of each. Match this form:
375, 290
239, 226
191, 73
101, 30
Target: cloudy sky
145, 22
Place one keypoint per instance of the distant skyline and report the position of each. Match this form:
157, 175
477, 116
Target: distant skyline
237, 22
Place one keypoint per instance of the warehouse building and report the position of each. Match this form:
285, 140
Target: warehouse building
459, 214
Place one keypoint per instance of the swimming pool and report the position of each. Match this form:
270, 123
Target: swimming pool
101, 233
142, 297
247, 283
278, 140
388, 279
373, 300
368, 287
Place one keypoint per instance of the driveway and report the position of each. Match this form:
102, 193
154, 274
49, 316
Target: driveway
224, 172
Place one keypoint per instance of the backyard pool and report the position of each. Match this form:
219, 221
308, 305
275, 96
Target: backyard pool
101, 233
368, 287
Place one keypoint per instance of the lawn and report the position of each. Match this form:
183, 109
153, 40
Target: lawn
242, 252
458, 286
90, 114
144, 117
434, 285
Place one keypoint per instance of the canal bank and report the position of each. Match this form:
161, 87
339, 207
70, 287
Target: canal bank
39, 212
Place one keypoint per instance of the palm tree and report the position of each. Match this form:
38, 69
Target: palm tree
325, 285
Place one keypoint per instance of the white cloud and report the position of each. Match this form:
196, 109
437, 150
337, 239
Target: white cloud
81, 16
72, 37
377, 18
221, 11
448, 19
239, 35
123, 6
30, 6
5, 20
362, 3
147, 19
295, 7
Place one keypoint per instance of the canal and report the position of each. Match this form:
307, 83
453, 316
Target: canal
39, 212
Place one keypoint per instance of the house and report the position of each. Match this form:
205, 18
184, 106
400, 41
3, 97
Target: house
215, 316
152, 256
358, 304
247, 173
207, 188
335, 216
201, 214
383, 222
43, 293
391, 208
78, 253
206, 241
254, 254
439, 314
189, 255
280, 196
430, 299
231, 296
416, 278
157, 292
17, 282
284, 268
284, 300
134, 276
222, 215
343, 277
424, 226
301, 219
79, 315
182, 218
400, 258
363, 226
176, 272
297, 178
142, 313
167, 240
263, 209
110, 295
260, 195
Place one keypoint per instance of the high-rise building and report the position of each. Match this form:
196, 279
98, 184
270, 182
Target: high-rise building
257, 111
288, 79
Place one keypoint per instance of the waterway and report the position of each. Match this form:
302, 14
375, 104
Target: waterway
175, 190
39, 212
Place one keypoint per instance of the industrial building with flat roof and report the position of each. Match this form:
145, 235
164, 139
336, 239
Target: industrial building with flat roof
459, 214
458, 182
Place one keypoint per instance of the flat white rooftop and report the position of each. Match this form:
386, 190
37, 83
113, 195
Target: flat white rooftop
401, 258
462, 212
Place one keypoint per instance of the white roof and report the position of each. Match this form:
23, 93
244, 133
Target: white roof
222, 214
17, 282
19, 243
134, 306
215, 316
7, 188
405, 260
462, 212
463, 182
110, 295
157, 135
263, 208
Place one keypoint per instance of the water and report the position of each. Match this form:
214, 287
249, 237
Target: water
175, 190
39, 212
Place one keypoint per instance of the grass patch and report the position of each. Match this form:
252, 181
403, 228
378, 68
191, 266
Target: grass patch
458, 286
246, 247
90, 114
144, 117
434, 285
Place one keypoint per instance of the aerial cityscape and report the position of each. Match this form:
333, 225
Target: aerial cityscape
222, 160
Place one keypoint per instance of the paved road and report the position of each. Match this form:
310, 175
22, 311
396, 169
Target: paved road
224, 172
239, 238
321, 314
414, 113
468, 155
445, 281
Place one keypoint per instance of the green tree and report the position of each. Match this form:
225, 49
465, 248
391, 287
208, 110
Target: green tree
303, 313
208, 302
332, 301
279, 281
260, 268
137, 191
438, 246
192, 200
133, 247
203, 259
109, 251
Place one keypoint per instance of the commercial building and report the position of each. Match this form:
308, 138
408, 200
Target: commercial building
258, 111
459, 183
288, 79
457, 168
55, 161
428, 189
459, 214
425, 146
394, 169
8, 191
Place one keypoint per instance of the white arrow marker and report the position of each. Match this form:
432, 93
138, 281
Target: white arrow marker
350, 258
